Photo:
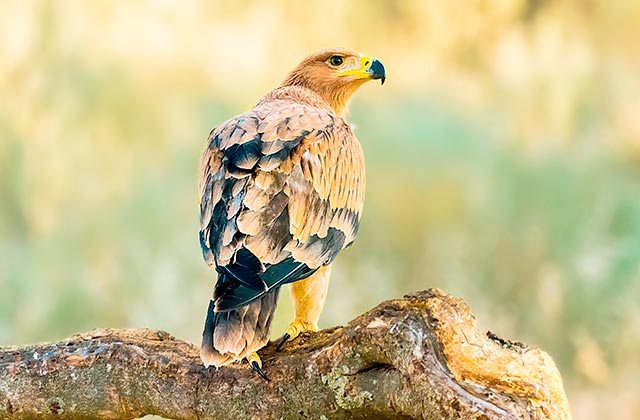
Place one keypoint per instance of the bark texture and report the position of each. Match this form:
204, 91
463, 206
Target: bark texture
417, 357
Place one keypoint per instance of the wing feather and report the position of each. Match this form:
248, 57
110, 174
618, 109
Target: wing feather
281, 192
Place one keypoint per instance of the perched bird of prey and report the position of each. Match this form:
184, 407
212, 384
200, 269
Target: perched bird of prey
281, 192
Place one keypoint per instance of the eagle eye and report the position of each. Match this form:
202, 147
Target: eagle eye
336, 60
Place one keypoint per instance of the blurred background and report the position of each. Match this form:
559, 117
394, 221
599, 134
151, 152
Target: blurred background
503, 160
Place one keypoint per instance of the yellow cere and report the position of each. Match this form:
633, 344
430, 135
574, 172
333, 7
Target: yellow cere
360, 73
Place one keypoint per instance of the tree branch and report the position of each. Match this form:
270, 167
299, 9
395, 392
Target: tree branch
417, 357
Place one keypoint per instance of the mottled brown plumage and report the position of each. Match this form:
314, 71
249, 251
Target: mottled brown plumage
281, 193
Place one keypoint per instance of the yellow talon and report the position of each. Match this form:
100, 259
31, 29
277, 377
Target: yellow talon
299, 326
254, 358
256, 364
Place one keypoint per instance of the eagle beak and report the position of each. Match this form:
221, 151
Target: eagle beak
369, 69
376, 70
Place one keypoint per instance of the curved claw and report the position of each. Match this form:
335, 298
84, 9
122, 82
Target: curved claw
256, 365
256, 368
282, 340
297, 327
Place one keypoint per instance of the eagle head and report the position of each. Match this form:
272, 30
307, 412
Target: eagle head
335, 74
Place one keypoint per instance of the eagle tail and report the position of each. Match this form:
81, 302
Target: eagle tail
234, 334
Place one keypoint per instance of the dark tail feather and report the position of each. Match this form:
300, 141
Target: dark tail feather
208, 353
231, 335
231, 293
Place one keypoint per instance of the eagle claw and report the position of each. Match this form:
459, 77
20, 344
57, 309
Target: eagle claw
256, 365
282, 340
256, 368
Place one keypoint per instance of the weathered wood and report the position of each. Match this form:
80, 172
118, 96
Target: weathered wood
417, 357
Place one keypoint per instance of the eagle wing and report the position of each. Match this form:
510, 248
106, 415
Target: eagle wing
281, 193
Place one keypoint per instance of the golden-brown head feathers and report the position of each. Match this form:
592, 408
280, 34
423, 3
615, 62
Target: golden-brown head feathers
335, 74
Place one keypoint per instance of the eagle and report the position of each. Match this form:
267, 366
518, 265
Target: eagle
281, 191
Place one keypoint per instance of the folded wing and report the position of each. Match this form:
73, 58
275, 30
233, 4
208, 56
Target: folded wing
281, 192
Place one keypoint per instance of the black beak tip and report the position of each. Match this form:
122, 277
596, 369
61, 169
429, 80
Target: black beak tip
377, 71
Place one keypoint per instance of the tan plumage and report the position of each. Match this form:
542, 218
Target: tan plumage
281, 194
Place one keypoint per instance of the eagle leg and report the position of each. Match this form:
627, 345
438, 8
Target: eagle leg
308, 296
